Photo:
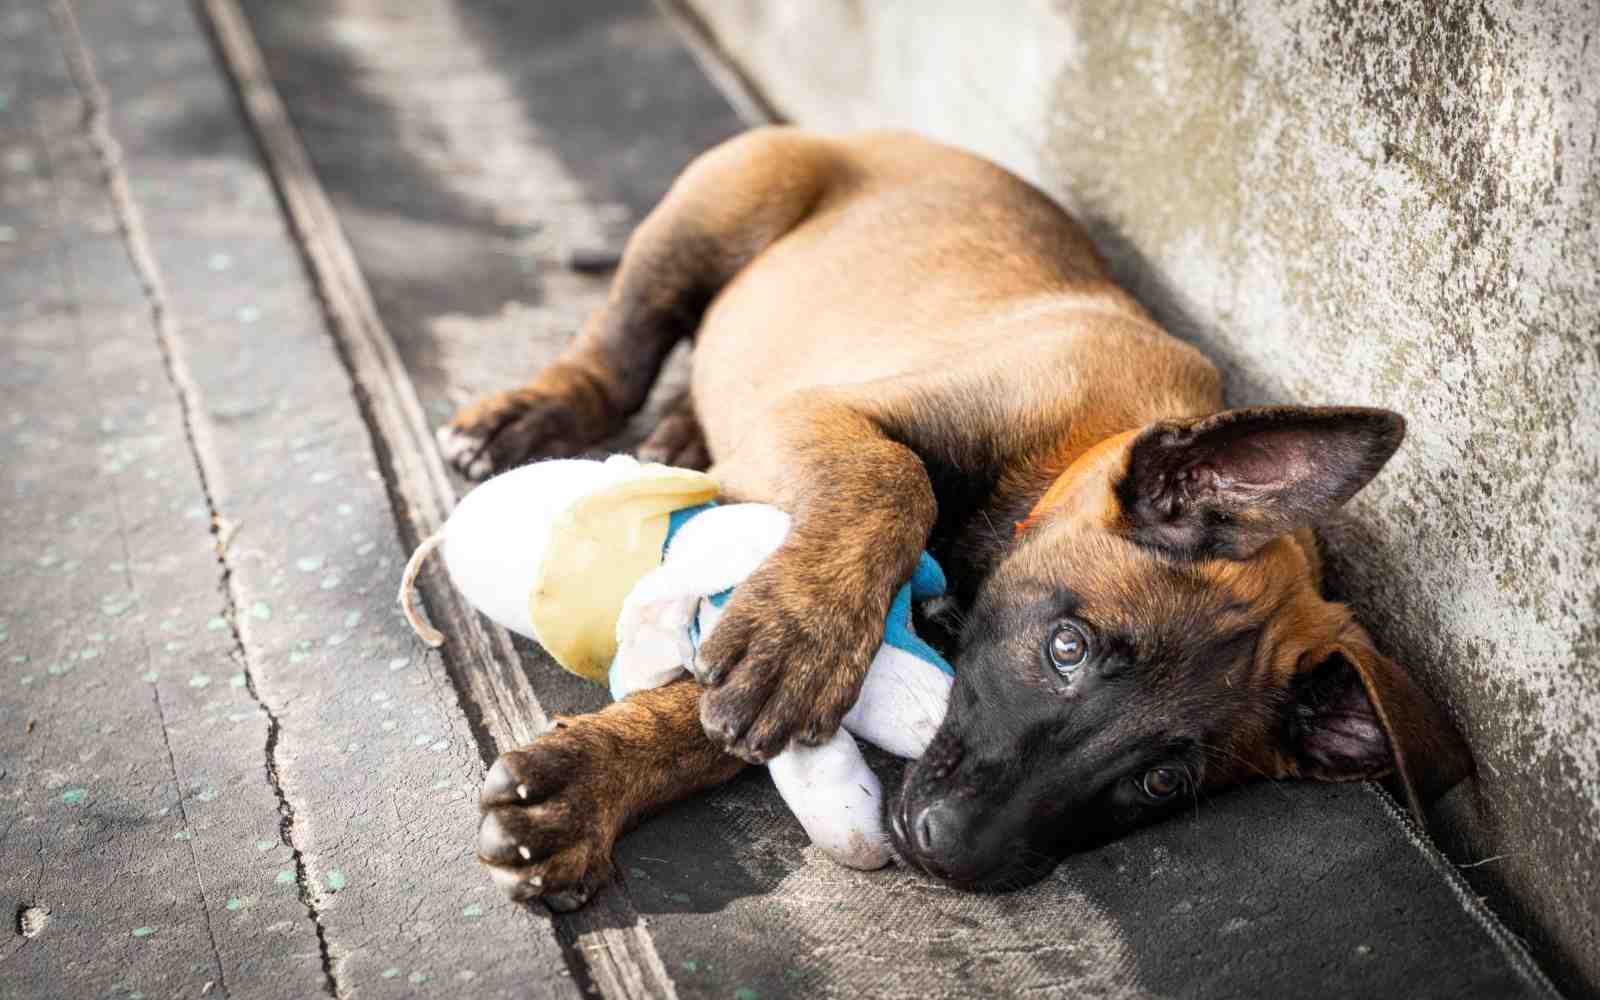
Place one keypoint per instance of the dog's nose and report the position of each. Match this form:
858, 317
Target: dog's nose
936, 831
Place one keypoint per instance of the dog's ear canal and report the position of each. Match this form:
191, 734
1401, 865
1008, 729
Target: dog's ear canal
1226, 484
1353, 713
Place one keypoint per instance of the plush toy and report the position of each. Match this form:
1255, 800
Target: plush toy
619, 570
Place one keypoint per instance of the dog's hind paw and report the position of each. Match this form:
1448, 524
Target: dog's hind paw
558, 416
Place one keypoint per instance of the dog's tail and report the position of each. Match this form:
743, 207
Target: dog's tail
408, 589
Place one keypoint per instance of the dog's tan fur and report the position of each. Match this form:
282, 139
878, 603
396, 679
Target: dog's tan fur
876, 319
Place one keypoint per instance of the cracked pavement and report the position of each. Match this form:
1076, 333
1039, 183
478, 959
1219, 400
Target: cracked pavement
223, 769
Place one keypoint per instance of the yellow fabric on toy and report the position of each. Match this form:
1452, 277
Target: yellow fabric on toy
598, 549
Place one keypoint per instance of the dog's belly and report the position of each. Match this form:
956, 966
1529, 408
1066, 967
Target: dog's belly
899, 272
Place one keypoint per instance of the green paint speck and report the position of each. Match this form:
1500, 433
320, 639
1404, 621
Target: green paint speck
352, 619
216, 624
473, 910
151, 676
74, 796
638, 873
691, 966
390, 972
233, 903
335, 881
207, 794
422, 739
417, 978
261, 611
265, 845
331, 581
183, 835
285, 877
746, 993
247, 314
237, 680
199, 681
308, 564
143, 932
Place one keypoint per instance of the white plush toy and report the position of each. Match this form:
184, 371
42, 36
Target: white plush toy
620, 569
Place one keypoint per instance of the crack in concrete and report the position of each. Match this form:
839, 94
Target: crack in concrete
130, 223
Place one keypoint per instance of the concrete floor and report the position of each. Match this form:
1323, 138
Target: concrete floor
226, 767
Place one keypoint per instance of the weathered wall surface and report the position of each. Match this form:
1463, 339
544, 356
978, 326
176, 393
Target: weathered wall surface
1389, 204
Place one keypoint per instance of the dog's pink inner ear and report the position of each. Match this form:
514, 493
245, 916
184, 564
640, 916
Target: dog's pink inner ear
1263, 459
1334, 729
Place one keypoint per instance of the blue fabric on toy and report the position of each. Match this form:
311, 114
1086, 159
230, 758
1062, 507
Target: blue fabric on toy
927, 582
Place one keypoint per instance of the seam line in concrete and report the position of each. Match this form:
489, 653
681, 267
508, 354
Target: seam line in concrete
131, 225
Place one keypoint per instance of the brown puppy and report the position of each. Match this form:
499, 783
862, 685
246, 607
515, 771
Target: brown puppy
906, 346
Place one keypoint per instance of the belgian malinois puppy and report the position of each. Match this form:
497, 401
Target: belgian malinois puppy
906, 346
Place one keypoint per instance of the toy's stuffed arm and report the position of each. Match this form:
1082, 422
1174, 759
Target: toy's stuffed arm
830, 788
709, 553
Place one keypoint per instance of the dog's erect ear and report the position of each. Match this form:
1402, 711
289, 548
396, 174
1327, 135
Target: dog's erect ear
1227, 484
1354, 713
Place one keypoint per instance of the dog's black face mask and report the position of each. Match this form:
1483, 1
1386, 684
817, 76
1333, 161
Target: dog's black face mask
1066, 728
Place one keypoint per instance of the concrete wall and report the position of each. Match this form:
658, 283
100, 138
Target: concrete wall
1391, 203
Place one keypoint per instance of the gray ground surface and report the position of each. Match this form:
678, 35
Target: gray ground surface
223, 759
222, 766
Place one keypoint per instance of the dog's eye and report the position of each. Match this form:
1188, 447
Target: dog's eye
1069, 647
1161, 783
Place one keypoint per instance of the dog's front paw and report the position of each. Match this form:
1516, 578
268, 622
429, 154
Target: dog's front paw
785, 663
546, 832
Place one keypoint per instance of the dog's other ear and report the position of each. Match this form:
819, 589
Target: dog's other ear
1226, 484
1354, 713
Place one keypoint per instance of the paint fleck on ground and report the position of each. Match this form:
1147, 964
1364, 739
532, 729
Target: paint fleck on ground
335, 881
75, 796
143, 932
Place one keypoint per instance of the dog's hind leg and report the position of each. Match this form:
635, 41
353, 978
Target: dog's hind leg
728, 206
677, 439
553, 809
